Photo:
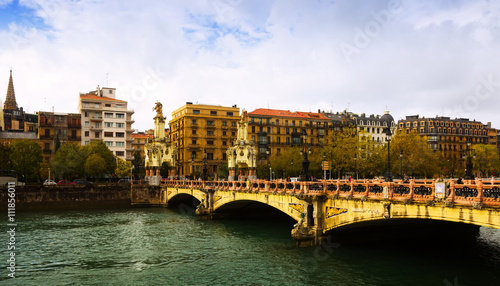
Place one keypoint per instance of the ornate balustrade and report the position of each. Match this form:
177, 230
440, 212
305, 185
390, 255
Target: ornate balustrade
477, 192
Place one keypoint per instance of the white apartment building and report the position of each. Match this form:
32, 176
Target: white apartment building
375, 126
106, 118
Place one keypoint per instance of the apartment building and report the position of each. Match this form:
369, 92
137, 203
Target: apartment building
57, 128
202, 134
106, 118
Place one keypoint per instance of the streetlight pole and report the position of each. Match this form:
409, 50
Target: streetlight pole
205, 164
469, 174
268, 166
192, 166
355, 165
324, 166
388, 175
401, 165
305, 162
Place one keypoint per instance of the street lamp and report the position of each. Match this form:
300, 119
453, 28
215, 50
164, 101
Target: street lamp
192, 165
305, 163
324, 166
205, 164
355, 165
268, 175
388, 175
469, 174
401, 165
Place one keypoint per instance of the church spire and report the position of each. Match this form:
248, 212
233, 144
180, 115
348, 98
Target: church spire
10, 100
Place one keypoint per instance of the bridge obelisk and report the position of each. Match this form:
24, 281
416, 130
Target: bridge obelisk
243, 154
158, 150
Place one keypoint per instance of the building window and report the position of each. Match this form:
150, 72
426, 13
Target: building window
107, 105
120, 115
108, 124
193, 142
119, 105
193, 121
97, 134
193, 132
224, 133
120, 134
108, 115
210, 142
120, 153
210, 123
120, 125
213, 112
87, 134
224, 143
109, 143
86, 114
196, 111
97, 125
233, 124
210, 133
278, 130
96, 105
87, 124
229, 113
224, 123
278, 140
108, 134
120, 144
233, 133
86, 142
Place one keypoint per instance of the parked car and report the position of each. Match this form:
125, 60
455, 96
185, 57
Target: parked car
64, 182
82, 182
124, 181
49, 182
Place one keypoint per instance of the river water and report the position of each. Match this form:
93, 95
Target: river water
158, 246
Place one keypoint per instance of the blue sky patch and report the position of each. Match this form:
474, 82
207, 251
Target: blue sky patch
21, 15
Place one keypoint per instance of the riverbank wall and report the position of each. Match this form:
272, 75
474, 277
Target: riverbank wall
66, 197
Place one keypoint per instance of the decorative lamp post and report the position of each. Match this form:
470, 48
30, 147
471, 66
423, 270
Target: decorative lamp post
204, 165
469, 174
192, 166
355, 165
305, 163
401, 165
291, 172
268, 175
388, 175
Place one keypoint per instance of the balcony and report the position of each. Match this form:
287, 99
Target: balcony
46, 137
93, 128
96, 118
132, 140
77, 138
130, 121
129, 149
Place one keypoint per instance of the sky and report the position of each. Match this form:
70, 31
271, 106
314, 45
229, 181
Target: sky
431, 58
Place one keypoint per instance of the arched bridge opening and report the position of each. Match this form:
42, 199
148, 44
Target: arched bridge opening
183, 201
407, 232
248, 209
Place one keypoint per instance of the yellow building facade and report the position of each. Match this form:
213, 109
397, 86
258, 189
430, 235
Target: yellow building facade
202, 135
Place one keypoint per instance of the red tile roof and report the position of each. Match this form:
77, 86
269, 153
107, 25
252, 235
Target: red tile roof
95, 97
288, 113
139, 136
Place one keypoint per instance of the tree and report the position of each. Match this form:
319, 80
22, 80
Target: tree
100, 148
123, 168
26, 158
69, 161
5, 163
345, 144
138, 164
281, 163
487, 159
95, 165
419, 160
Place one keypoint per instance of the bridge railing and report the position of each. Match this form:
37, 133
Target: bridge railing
486, 192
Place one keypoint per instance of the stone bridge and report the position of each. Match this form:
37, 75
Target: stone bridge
322, 206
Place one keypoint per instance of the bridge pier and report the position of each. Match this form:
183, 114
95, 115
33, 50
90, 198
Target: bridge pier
309, 229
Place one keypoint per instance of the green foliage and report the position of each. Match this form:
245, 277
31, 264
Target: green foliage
164, 170
419, 160
5, 163
69, 161
487, 159
123, 168
281, 164
95, 165
100, 148
340, 154
138, 164
26, 158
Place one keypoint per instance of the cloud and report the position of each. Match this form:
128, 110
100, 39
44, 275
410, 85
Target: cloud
426, 58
